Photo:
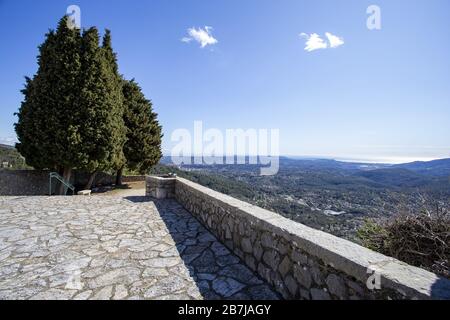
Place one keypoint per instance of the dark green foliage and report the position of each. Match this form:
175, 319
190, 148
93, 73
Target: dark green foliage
50, 97
72, 113
143, 147
98, 124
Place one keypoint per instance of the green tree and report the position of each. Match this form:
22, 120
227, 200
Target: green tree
45, 116
99, 115
72, 113
143, 146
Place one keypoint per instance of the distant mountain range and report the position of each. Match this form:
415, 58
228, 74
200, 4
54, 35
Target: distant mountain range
439, 167
5, 146
435, 168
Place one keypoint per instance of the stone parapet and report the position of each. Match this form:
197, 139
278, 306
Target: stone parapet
300, 262
160, 187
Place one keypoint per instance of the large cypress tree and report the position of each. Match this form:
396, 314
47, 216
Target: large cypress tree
46, 139
100, 110
72, 113
143, 146
116, 95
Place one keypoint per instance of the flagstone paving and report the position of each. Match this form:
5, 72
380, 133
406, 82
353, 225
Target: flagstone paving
113, 247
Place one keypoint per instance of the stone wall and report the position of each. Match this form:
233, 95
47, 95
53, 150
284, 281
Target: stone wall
160, 187
23, 182
36, 182
301, 262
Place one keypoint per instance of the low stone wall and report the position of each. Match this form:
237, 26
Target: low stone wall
36, 182
301, 262
23, 182
132, 178
160, 187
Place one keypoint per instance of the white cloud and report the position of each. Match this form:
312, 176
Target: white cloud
313, 42
335, 41
202, 36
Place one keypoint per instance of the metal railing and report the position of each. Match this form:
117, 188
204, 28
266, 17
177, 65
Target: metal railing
67, 185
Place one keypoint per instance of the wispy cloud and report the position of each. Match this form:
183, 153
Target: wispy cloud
335, 41
315, 42
202, 36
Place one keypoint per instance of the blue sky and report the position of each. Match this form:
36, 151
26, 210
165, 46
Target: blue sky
381, 95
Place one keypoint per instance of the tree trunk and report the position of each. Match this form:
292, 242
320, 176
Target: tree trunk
119, 176
67, 172
90, 181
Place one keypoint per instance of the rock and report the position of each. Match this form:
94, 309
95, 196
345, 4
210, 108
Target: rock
263, 271
206, 263
161, 262
83, 295
206, 237
240, 273
241, 229
226, 287
188, 258
195, 249
219, 249
317, 276
319, 294
304, 294
120, 293
155, 272
172, 252
103, 294
227, 260
299, 257
303, 276
250, 262
291, 284
228, 233
336, 286
257, 251
206, 276
267, 240
282, 247
117, 276
262, 292
162, 247
54, 294
246, 245
356, 288
272, 259
203, 286
165, 286
285, 266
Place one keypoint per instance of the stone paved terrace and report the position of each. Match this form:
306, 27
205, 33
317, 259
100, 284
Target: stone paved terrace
105, 247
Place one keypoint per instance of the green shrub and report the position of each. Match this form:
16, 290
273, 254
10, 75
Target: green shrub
373, 235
